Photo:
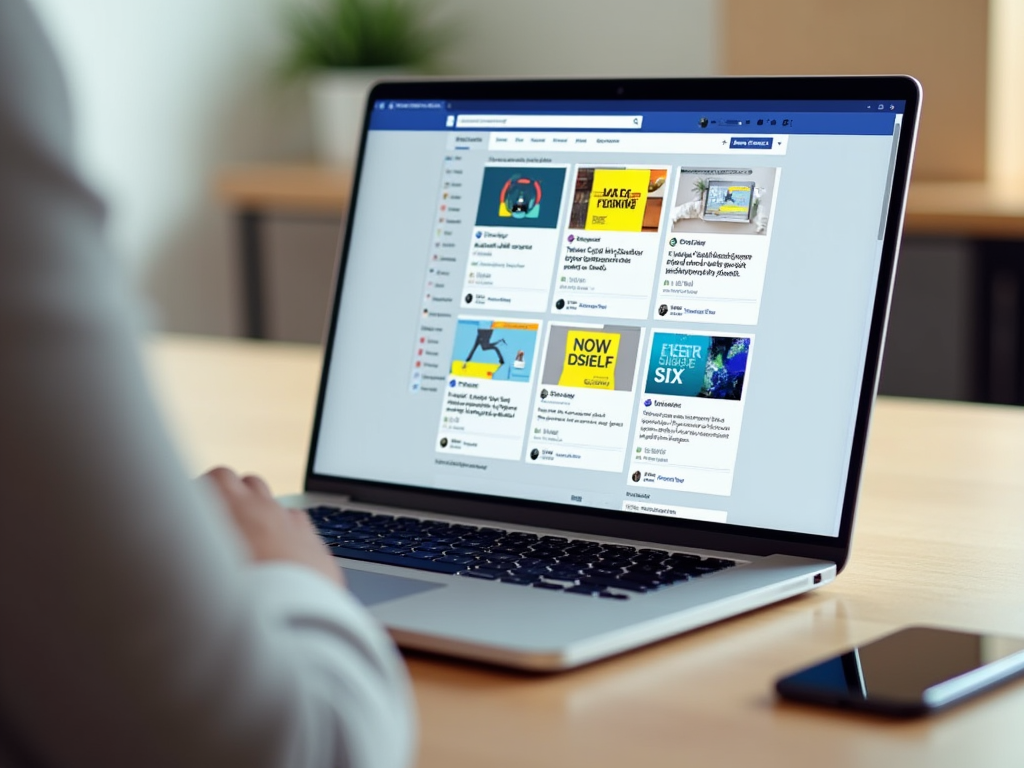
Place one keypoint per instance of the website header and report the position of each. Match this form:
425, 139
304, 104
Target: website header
870, 123
660, 143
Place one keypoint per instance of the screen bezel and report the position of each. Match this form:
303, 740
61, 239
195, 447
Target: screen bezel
595, 521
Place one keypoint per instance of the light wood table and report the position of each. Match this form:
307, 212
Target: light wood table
940, 539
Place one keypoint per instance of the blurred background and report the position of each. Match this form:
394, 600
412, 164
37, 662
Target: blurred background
174, 99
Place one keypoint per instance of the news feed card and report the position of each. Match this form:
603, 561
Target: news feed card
690, 412
608, 255
582, 411
488, 390
716, 253
515, 239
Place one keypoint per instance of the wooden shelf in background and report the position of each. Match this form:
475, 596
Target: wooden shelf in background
286, 188
974, 209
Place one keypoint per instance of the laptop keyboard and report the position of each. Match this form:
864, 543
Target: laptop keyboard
576, 566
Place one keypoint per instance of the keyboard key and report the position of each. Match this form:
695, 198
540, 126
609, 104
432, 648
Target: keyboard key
395, 550
499, 557
462, 560
546, 585
564, 572
683, 557
421, 555
531, 570
432, 547
355, 545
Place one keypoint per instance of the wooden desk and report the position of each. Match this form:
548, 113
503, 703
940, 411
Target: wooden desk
940, 539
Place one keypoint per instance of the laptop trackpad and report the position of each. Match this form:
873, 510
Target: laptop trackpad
373, 588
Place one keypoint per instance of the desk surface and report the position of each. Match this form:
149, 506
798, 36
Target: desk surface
964, 209
939, 539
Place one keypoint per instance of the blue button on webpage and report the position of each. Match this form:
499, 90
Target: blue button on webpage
750, 142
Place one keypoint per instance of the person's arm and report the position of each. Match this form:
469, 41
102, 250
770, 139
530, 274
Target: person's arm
135, 629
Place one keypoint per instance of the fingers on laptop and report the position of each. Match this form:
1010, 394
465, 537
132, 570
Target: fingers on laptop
272, 532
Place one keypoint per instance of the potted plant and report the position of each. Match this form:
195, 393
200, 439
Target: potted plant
343, 47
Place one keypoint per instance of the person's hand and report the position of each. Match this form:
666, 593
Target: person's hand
271, 531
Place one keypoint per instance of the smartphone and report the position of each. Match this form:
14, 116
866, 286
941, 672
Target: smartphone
914, 671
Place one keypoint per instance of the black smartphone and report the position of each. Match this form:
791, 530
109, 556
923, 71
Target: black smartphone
910, 672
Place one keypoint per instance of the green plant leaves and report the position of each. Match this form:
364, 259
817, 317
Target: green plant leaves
363, 33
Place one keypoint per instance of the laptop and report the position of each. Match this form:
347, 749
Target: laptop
602, 354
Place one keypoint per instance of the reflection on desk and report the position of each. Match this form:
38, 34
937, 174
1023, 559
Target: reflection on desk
939, 539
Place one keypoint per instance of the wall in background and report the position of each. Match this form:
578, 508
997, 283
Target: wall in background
164, 94
539, 38
167, 93
944, 43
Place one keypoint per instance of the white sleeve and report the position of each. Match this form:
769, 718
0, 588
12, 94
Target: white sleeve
133, 630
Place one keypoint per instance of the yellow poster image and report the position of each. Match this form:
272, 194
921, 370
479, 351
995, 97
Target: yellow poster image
590, 358
618, 199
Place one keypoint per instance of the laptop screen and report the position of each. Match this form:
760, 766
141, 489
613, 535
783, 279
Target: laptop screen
656, 308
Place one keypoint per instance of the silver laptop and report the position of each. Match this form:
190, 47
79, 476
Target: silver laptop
603, 354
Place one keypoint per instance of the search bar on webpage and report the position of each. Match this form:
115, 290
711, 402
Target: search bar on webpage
611, 122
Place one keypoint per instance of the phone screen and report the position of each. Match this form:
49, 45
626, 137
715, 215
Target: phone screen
911, 671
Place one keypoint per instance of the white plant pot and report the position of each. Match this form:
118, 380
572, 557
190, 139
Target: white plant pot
337, 99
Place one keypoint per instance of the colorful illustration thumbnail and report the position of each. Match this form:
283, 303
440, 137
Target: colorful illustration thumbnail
599, 357
730, 200
686, 365
499, 350
618, 199
520, 197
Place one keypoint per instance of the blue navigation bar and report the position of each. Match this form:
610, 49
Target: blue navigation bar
440, 116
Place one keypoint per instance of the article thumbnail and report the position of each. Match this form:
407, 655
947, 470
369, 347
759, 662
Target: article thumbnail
520, 197
591, 357
618, 199
499, 350
698, 366
731, 201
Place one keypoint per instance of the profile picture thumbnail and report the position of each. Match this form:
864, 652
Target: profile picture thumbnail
636, 476
534, 454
